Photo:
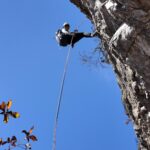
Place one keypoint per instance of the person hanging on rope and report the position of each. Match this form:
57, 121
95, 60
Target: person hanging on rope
64, 37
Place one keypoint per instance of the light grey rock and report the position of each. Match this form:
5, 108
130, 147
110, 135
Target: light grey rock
123, 27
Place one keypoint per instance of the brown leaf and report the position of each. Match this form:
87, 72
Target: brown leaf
33, 138
2, 142
6, 118
3, 106
13, 141
25, 132
9, 104
8, 139
31, 130
13, 138
14, 114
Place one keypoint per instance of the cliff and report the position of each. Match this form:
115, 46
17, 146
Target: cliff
123, 27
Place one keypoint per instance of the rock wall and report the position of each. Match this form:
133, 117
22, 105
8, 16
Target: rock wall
123, 26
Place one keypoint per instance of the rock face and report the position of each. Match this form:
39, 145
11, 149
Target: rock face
124, 29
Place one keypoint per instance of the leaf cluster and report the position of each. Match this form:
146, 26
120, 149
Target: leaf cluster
12, 142
6, 112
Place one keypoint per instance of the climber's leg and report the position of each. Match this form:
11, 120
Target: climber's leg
67, 38
78, 36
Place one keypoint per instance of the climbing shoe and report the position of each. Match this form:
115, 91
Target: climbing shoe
87, 34
94, 34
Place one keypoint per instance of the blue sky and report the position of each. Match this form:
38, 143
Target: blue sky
31, 66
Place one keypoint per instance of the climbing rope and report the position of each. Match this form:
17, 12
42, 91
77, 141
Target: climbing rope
61, 91
60, 95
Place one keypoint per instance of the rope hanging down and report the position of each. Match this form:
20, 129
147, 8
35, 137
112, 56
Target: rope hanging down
60, 96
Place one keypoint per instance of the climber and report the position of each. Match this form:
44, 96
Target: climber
64, 37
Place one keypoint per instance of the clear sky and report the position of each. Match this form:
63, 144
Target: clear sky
31, 65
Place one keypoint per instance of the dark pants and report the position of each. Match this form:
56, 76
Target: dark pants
75, 37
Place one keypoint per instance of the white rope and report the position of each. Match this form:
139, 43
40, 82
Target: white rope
60, 96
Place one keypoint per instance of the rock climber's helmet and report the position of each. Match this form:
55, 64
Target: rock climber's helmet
66, 24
